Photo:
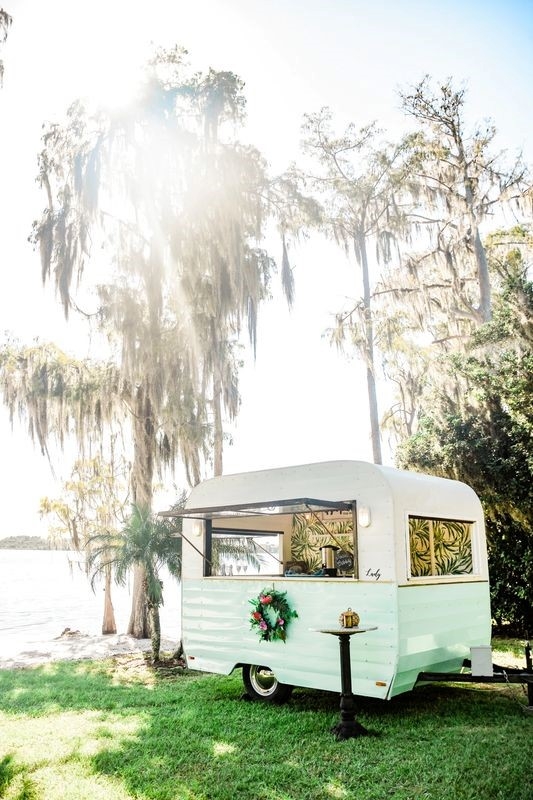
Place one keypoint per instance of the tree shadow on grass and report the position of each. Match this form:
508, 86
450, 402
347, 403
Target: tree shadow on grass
222, 749
8, 770
64, 686
198, 741
13, 778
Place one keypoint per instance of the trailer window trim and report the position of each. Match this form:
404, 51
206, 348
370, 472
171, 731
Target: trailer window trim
436, 576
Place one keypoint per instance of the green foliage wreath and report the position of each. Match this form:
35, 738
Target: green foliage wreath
271, 615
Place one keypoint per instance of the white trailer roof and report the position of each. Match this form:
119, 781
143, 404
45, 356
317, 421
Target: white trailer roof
320, 485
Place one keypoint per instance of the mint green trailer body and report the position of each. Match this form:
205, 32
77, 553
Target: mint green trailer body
424, 622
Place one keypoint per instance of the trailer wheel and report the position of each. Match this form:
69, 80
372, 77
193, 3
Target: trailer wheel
261, 684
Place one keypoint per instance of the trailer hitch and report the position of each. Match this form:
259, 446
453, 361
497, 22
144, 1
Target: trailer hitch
499, 675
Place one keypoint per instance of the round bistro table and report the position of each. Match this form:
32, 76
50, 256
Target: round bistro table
347, 727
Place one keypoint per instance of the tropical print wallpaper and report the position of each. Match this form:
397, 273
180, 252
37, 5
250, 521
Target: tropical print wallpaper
310, 532
440, 547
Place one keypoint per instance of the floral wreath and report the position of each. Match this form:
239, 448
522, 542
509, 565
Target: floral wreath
271, 614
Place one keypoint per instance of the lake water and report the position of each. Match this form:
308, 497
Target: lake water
41, 595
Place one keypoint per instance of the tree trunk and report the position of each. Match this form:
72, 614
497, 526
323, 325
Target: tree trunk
139, 625
155, 632
482, 267
485, 301
108, 624
369, 354
141, 480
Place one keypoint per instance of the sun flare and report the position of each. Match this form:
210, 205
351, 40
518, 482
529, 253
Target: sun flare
113, 85
106, 64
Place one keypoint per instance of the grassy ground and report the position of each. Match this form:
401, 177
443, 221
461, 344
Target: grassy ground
121, 730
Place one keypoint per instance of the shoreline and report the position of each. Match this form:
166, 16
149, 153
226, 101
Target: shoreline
79, 646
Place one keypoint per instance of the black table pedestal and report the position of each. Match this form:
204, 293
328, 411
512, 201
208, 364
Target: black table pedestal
347, 727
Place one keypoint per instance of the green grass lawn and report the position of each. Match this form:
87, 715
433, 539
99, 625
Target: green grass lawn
118, 730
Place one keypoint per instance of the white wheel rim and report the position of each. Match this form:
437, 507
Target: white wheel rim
263, 681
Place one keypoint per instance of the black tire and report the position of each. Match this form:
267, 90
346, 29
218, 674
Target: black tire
261, 684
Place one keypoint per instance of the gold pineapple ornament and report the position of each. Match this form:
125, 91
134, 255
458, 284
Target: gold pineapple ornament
349, 619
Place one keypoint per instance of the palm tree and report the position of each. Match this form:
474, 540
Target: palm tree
147, 542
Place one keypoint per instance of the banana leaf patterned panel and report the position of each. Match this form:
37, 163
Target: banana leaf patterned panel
309, 534
440, 547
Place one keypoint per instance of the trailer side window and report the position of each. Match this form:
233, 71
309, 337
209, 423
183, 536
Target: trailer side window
440, 547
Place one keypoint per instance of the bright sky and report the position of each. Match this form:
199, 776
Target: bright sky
301, 401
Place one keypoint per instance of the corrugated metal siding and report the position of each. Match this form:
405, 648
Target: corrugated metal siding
438, 624
217, 633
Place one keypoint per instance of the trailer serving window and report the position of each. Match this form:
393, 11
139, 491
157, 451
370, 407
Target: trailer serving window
440, 547
213, 516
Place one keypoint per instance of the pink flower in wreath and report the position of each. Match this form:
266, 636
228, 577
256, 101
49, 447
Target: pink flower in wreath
257, 615
263, 625
281, 622
265, 599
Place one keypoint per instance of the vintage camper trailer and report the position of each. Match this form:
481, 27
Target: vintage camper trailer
405, 551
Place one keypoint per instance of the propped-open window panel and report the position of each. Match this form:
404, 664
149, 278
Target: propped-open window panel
299, 505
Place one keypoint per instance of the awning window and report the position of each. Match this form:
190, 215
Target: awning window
300, 505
